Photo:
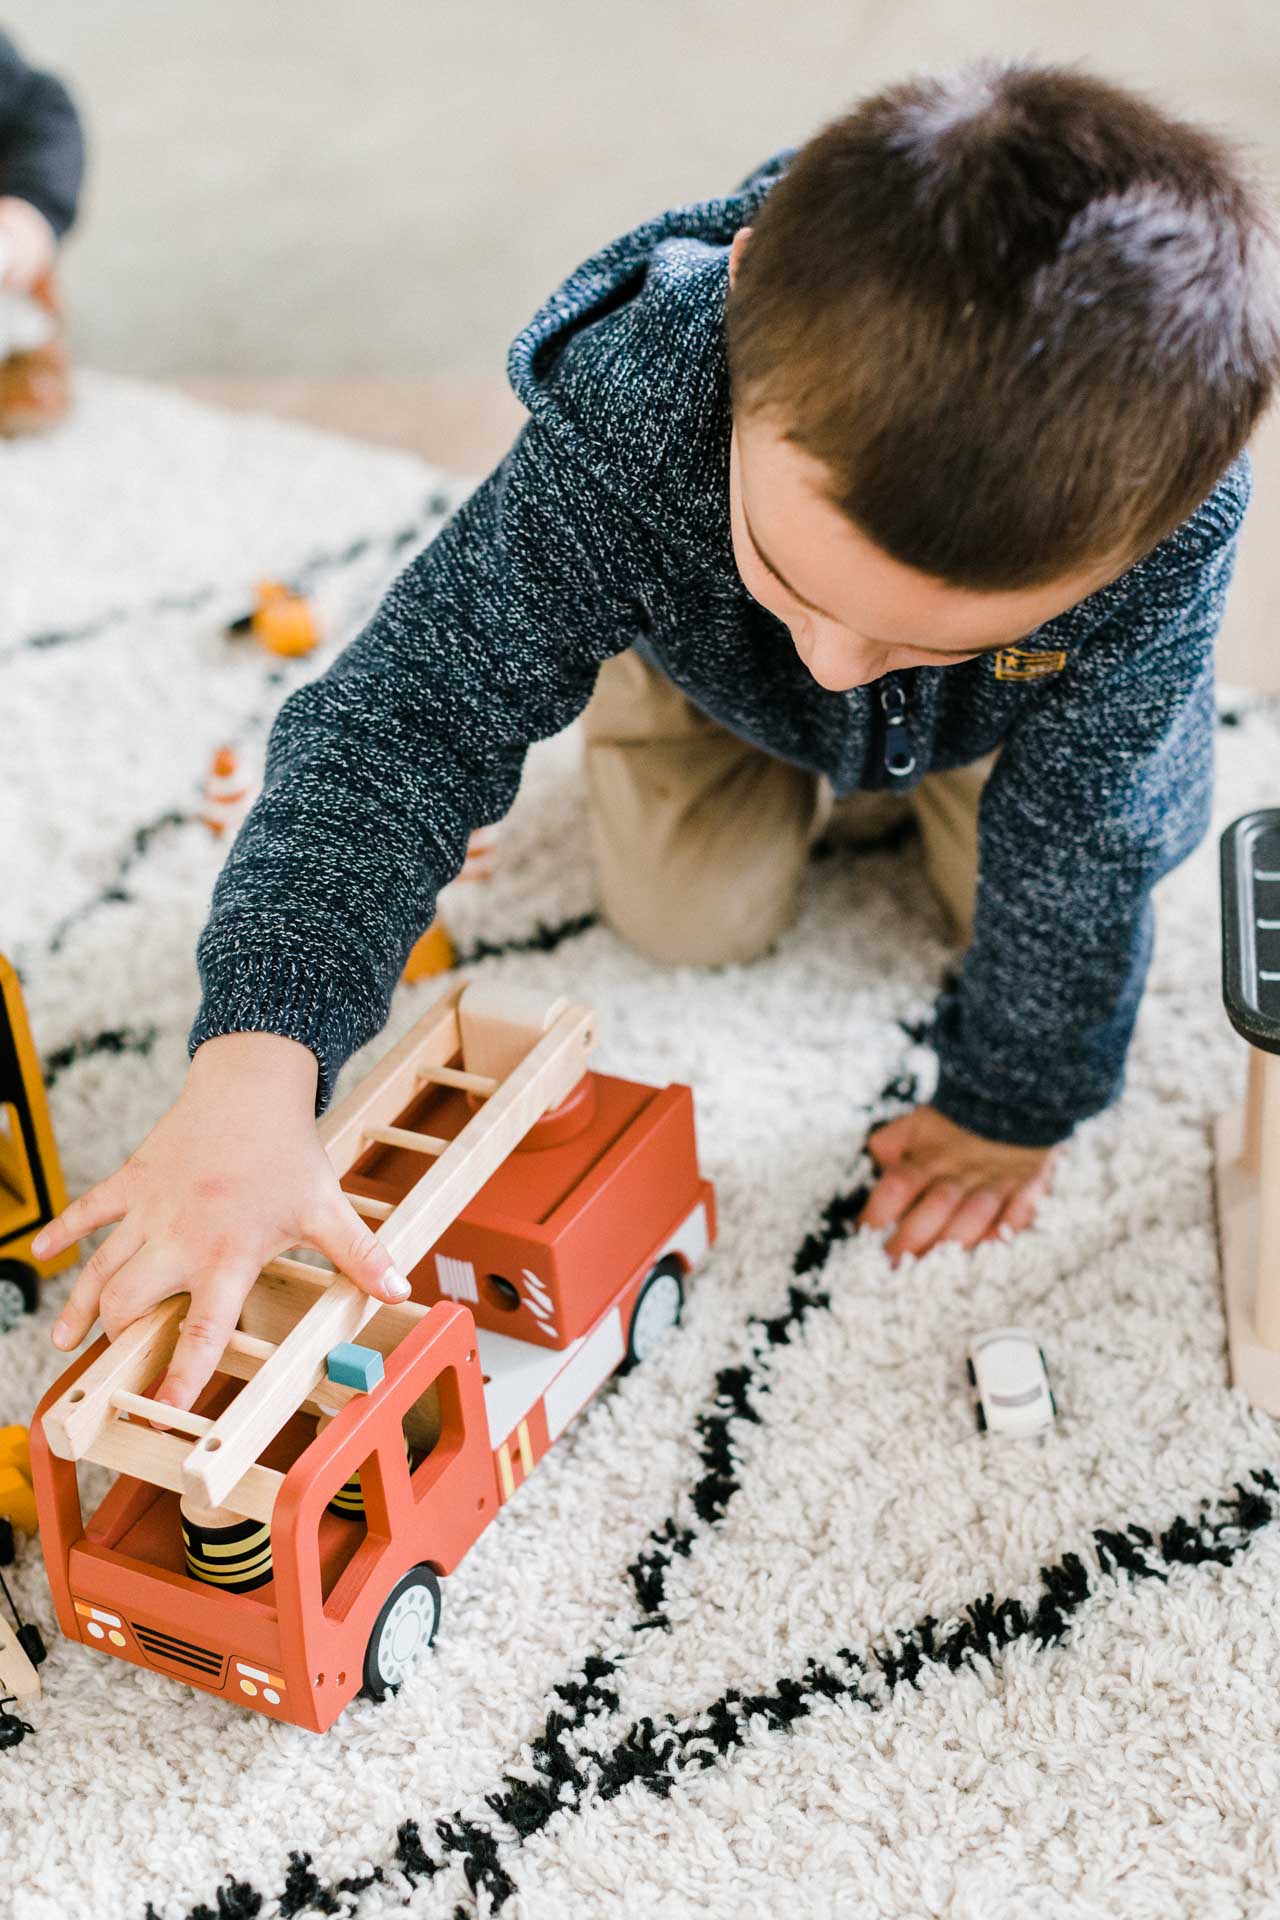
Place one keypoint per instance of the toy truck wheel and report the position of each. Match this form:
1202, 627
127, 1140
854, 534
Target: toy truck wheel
19, 1293
656, 1314
404, 1628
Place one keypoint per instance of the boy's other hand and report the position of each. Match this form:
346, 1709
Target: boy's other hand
232, 1176
28, 244
940, 1182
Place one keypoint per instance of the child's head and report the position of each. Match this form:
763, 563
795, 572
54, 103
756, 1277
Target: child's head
991, 338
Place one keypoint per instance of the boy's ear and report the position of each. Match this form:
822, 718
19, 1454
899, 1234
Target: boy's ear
737, 248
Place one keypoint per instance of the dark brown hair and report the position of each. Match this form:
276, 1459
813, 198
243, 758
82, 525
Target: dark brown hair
1023, 318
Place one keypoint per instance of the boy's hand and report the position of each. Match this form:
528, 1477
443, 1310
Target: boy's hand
940, 1182
231, 1176
28, 244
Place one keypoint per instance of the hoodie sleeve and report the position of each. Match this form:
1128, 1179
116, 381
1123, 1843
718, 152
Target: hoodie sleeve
378, 771
1070, 846
41, 144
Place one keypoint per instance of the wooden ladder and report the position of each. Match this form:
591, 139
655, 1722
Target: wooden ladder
521, 1055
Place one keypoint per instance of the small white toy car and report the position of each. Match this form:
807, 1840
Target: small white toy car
1008, 1374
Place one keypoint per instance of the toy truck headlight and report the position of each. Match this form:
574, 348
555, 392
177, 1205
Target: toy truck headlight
103, 1628
258, 1682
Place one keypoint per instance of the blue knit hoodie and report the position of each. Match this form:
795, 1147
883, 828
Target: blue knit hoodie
607, 526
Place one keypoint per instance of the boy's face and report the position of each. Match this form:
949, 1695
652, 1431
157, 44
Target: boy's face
852, 611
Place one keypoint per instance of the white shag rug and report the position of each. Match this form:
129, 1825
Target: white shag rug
772, 1629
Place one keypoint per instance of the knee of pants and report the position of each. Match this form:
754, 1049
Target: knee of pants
722, 922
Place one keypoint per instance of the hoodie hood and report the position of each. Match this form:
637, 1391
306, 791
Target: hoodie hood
636, 334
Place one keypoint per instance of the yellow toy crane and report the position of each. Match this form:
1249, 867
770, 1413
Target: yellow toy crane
31, 1187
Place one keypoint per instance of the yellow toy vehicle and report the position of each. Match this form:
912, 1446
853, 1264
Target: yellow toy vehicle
31, 1188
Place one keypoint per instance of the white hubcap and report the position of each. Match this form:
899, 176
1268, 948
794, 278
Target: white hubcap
406, 1630
657, 1314
12, 1305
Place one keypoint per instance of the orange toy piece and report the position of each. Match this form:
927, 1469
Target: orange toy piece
283, 621
17, 1501
571, 1207
481, 862
431, 953
228, 793
31, 1187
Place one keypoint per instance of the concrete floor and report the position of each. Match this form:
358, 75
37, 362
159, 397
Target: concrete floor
318, 194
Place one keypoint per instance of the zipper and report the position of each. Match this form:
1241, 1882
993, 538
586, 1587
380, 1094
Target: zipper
897, 748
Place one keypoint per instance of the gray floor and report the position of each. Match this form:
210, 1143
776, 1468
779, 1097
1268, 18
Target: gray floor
316, 187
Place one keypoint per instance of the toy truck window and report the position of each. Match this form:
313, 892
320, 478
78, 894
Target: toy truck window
17, 1188
433, 1431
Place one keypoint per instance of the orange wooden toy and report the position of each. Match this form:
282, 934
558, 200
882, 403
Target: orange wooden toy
547, 1243
283, 621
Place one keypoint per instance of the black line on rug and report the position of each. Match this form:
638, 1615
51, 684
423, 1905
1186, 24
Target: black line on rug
119, 1041
114, 892
543, 939
437, 506
661, 1755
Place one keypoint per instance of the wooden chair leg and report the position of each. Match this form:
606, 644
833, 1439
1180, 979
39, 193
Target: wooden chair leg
1264, 1087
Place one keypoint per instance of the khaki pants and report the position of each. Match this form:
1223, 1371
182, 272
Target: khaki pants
701, 840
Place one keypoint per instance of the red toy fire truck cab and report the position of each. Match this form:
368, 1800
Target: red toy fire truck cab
561, 1265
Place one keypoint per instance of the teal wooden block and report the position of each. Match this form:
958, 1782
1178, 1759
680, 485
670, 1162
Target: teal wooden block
353, 1366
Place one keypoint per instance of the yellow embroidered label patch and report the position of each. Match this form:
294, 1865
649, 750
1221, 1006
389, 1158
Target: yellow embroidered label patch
1022, 663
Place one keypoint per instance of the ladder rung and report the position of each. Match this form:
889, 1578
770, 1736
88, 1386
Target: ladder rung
408, 1138
283, 1268
371, 1209
244, 1353
142, 1408
481, 1083
249, 1344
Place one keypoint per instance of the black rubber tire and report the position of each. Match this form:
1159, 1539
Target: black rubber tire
667, 1268
377, 1685
6, 1543
31, 1640
16, 1273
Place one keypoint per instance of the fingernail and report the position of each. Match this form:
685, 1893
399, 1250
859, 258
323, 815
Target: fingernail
61, 1335
396, 1285
39, 1243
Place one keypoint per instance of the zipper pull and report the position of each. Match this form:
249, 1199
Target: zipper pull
899, 747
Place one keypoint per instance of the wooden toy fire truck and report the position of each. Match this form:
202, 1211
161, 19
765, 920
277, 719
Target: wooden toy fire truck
346, 1454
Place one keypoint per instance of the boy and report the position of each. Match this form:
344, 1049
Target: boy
41, 168
922, 448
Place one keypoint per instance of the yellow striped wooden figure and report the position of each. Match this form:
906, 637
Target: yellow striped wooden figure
349, 1499
225, 1550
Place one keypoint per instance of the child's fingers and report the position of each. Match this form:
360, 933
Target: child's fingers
974, 1216
919, 1229
1020, 1210
345, 1239
97, 1208
82, 1304
888, 1143
209, 1324
893, 1193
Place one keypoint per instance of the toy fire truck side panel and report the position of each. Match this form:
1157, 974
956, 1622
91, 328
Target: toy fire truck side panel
431, 1514
542, 1248
628, 1205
